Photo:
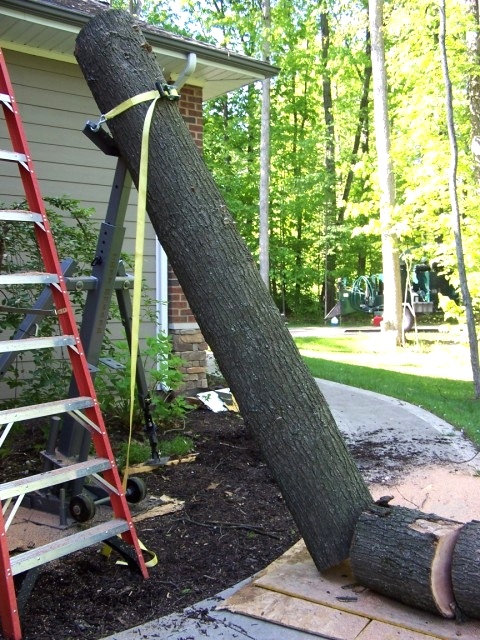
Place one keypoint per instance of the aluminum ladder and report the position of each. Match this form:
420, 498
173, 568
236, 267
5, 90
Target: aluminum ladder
84, 408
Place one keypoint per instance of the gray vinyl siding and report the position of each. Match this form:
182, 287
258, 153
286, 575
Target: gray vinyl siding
54, 102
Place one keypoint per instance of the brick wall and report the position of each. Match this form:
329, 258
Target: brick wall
192, 112
188, 341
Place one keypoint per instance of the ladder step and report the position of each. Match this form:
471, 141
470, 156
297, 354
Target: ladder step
64, 546
31, 344
84, 410
13, 156
26, 310
5, 98
45, 409
52, 478
33, 277
19, 215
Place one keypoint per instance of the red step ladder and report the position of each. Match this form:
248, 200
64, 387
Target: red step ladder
84, 408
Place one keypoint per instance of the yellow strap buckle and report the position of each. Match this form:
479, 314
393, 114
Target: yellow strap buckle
168, 91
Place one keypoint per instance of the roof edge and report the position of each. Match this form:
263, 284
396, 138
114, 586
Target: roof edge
155, 36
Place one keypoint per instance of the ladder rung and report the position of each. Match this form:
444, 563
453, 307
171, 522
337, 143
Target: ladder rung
5, 98
45, 409
13, 156
26, 310
34, 277
64, 546
19, 215
31, 344
52, 478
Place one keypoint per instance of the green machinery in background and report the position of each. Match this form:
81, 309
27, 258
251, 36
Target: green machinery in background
421, 285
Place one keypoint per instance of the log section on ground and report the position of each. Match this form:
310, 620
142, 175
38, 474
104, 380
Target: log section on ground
277, 396
407, 555
466, 569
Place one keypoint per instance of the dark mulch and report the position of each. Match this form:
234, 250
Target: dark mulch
233, 524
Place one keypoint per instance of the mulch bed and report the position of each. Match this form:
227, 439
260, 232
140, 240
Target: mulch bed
234, 522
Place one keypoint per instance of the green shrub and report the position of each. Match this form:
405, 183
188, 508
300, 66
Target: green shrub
42, 376
137, 453
19, 252
178, 446
113, 385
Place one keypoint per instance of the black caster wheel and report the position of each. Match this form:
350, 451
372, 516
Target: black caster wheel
136, 490
82, 508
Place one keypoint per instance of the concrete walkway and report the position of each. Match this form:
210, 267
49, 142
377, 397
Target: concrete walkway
398, 432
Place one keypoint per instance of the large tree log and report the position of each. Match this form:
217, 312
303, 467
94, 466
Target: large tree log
406, 555
277, 396
466, 569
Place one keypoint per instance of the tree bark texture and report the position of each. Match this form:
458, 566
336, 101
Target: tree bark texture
392, 308
406, 555
466, 569
277, 396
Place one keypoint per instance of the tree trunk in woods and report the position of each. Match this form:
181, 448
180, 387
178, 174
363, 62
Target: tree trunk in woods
264, 194
330, 188
406, 555
456, 216
277, 396
466, 569
473, 45
392, 307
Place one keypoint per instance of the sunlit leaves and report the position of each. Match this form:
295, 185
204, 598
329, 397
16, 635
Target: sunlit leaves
303, 227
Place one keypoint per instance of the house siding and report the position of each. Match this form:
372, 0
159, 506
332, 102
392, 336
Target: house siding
55, 103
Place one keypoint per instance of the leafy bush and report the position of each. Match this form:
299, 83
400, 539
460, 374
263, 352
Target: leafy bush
178, 446
113, 385
39, 377
35, 378
138, 452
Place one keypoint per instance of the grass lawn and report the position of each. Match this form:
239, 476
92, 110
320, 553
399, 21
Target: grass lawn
432, 371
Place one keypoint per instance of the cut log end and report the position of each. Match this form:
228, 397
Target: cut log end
466, 569
446, 533
407, 555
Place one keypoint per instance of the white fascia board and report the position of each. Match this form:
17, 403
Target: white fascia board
38, 20
35, 51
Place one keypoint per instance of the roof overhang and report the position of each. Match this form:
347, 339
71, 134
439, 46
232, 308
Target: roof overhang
48, 28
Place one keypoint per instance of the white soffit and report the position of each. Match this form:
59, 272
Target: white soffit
49, 38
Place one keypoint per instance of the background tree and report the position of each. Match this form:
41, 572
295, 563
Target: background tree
264, 257
455, 215
314, 230
392, 313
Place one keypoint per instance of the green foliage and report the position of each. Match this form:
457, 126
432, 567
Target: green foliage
177, 446
163, 371
433, 373
137, 453
451, 310
39, 376
312, 234
75, 235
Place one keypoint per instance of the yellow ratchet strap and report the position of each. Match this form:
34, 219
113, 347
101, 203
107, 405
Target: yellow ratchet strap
153, 95
130, 102
150, 557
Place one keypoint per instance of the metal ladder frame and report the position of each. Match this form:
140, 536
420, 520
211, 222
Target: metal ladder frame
107, 268
84, 408
108, 275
